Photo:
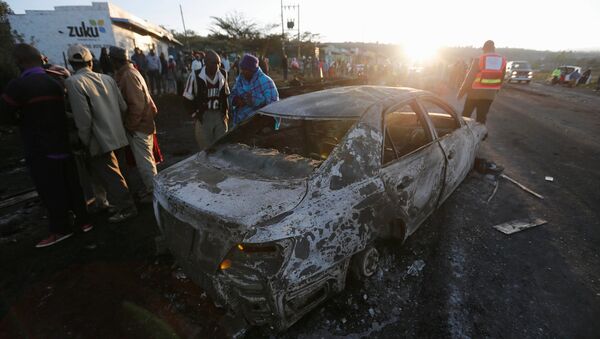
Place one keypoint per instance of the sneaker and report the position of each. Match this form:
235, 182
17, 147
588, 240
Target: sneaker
53, 239
87, 227
123, 215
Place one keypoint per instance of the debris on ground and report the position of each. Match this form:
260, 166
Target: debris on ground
484, 166
519, 225
493, 192
547, 178
179, 275
415, 268
523, 187
18, 198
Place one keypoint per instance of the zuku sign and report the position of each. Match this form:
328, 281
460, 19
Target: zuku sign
92, 30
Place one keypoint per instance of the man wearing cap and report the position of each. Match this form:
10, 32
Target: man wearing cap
482, 82
36, 102
211, 101
252, 90
97, 105
139, 117
198, 62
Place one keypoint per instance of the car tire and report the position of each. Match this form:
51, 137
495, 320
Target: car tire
365, 263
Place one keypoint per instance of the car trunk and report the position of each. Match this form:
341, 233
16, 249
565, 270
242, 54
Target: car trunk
207, 203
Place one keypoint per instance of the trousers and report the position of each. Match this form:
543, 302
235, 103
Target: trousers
141, 146
481, 105
57, 184
210, 130
106, 168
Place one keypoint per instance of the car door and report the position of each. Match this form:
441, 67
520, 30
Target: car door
412, 166
454, 137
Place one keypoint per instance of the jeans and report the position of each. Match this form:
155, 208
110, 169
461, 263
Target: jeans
155, 81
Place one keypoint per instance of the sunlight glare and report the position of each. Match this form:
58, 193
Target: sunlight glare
420, 53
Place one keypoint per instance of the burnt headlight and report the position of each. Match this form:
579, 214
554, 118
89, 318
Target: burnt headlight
264, 258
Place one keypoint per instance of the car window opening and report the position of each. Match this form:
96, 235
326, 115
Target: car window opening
314, 139
404, 133
442, 120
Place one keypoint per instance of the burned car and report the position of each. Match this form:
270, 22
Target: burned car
273, 216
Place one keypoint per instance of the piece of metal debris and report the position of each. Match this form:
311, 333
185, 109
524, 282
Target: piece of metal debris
179, 275
547, 178
519, 225
415, 268
523, 187
21, 197
493, 192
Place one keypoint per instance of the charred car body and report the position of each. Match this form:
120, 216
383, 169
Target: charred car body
270, 219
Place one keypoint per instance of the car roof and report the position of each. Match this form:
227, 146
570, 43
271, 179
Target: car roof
339, 102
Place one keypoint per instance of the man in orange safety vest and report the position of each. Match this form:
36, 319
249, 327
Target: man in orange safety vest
482, 82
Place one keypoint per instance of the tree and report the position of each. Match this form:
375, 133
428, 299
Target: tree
234, 26
8, 70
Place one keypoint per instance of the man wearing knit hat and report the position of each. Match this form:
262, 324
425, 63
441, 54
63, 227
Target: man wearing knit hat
253, 89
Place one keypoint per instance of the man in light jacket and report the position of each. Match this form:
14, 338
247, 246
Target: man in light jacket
97, 105
139, 117
154, 69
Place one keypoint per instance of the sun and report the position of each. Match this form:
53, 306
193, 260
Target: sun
420, 52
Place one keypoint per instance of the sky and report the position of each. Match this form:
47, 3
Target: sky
420, 26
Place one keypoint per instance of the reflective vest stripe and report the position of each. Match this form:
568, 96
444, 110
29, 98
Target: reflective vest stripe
491, 81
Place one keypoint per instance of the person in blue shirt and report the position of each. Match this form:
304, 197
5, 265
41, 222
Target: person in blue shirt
252, 90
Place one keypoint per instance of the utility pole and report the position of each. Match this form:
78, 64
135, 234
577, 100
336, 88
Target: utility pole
299, 50
187, 41
282, 32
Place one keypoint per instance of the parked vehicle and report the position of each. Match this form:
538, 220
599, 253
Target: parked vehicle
518, 71
565, 74
272, 217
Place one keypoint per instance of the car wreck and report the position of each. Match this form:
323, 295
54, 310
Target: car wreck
273, 216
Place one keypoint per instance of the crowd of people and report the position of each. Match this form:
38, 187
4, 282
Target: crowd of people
84, 130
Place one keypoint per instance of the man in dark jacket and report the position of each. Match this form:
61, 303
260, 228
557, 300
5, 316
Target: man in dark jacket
211, 101
37, 102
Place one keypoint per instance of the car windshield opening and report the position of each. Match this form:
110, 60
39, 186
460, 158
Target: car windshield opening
521, 65
309, 138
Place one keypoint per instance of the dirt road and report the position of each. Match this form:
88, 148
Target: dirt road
455, 277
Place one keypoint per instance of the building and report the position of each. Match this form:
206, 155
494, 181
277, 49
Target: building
100, 25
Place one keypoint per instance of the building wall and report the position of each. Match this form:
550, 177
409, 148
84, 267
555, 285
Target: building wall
128, 40
52, 32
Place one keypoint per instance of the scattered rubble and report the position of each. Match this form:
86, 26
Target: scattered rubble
416, 268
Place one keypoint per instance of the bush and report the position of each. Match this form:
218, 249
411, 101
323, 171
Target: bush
8, 69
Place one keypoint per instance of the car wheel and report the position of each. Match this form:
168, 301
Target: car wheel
365, 263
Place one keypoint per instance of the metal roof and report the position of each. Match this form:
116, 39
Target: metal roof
339, 102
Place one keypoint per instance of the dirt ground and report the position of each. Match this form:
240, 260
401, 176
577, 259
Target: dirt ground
455, 277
